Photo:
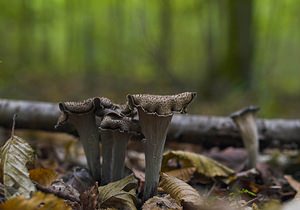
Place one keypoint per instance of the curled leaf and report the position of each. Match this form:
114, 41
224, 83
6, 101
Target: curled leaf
204, 165
15, 154
295, 184
39, 201
119, 194
43, 176
185, 174
181, 191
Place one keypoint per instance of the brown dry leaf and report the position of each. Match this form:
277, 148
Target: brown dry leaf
39, 201
185, 174
43, 176
295, 184
120, 194
204, 165
181, 191
161, 203
15, 154
89, 199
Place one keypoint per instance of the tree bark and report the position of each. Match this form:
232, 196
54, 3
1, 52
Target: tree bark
204, 130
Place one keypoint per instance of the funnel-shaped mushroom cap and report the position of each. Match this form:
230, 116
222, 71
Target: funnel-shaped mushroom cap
105, 102
82, 116
121, 124
162, 105
127, 111
243, 112
80, 107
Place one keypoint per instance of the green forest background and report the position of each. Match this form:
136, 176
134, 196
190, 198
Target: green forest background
231, 52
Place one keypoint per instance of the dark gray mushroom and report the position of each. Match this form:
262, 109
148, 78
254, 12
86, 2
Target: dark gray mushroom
115, 134
82, 116
155, 113
245, 121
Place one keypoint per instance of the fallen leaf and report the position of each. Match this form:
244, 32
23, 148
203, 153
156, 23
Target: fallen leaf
295, 184
43, 176
185, 174
39, 201
161, 203
204, 165
15, 154
234, 158
181, 191
119, 194
89, 198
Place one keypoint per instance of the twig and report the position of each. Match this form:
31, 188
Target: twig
59, 194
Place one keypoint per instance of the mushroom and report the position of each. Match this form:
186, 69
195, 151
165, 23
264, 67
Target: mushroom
245, 121
82, 116
115, 134
155, 113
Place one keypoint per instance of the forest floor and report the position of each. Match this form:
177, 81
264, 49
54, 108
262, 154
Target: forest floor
59, 169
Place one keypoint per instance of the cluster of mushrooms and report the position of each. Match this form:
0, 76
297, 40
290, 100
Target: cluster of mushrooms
142, 117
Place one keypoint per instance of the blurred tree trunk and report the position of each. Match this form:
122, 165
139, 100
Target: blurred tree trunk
163, 51
165, 39
45, 55
212, 59
89, 42
238, 61
234, 68
25, 35
70, 50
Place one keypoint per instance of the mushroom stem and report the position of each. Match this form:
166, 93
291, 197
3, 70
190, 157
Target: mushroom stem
245, 121
82, 116
155, 130
89, 137
107, 156
119, 152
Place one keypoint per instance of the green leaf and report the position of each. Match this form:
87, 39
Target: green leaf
204, 165
15, 154
119, 194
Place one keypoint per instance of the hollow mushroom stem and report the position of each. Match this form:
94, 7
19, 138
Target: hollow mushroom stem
114, 144
89, 137
81, 116
116, 131
245, 121
107, 156
155, 129
119, 152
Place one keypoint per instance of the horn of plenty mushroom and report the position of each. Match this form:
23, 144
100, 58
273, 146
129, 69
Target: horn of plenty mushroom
155, 113
82, 116
245, 121
115, 134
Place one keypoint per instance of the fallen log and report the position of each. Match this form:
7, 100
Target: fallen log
205, 130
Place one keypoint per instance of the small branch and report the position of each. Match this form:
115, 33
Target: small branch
13, 125
208, 131
59, 194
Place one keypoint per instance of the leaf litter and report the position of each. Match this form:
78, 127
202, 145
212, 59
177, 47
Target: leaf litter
180, 185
